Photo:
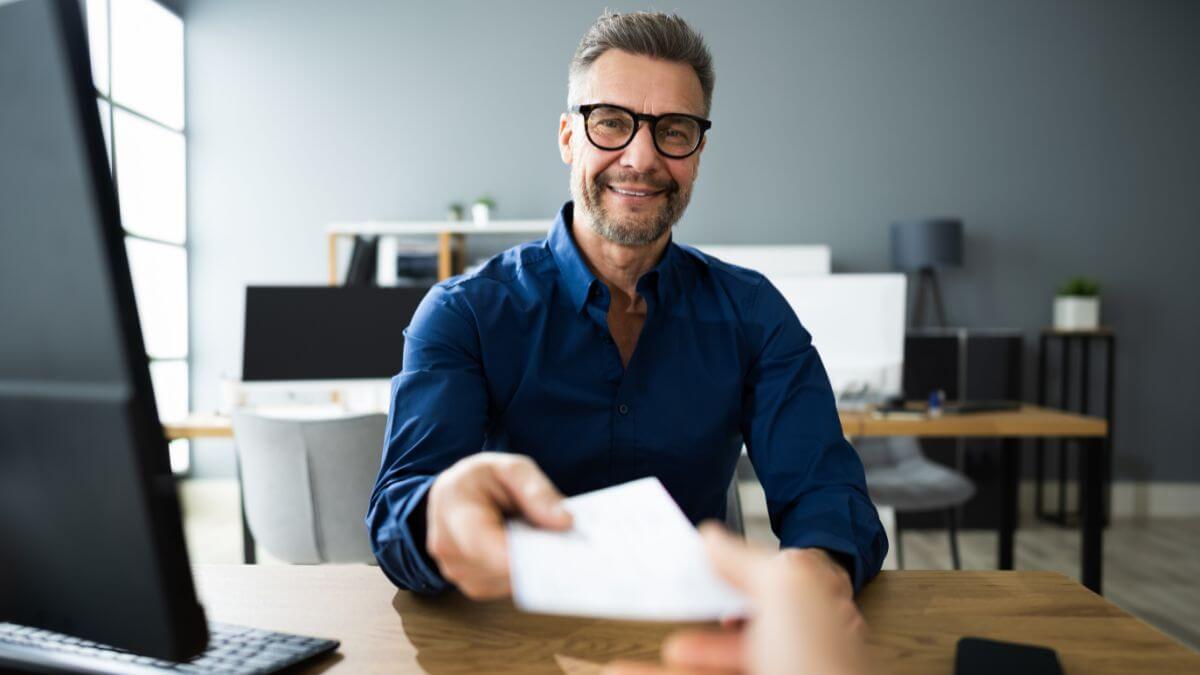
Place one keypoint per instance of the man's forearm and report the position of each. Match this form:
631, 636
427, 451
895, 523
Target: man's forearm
396, 527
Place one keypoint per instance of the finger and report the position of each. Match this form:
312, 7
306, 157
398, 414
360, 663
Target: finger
534, 496
705, 649
632, 668
485, 589
733, 559
637, 668
733, 622
477, 533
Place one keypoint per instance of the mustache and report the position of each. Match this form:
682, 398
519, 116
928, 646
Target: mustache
669, 184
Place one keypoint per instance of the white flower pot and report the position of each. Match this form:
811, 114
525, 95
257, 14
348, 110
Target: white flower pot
1075, 312
480, 213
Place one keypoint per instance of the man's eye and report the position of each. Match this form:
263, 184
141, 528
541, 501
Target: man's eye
676, 136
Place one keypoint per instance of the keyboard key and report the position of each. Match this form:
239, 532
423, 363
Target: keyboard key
231, 649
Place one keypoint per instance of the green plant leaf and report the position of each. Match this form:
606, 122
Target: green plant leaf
1080, 286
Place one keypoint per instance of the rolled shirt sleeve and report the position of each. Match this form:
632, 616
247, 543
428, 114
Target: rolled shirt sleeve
438, 416
813, 478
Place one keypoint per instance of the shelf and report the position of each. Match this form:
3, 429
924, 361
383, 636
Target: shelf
450, 236
440, 227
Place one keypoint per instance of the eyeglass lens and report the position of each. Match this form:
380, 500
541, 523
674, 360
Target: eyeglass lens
611, 128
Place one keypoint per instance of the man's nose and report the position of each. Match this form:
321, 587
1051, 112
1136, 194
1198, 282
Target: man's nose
641, 155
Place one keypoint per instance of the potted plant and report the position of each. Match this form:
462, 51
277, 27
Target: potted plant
1077, 306
481, 210
456, 211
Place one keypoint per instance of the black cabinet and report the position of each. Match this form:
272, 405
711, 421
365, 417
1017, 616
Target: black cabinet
965, 364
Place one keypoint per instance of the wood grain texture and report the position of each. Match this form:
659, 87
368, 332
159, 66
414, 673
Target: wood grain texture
915, 617
1150, 568
199, 426
331, 244
1030, 421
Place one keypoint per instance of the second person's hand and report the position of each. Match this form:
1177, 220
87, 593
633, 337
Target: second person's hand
804, 620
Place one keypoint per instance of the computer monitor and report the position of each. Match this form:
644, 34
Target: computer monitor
775, 260
857, 326
300, 333
91, 542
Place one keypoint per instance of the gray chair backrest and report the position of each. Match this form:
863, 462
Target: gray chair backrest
733, 508
306, 484
887, 451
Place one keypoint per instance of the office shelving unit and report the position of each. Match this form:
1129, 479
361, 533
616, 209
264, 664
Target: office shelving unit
1080, 384
451, 237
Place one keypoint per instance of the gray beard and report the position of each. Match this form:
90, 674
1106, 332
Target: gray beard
630, 231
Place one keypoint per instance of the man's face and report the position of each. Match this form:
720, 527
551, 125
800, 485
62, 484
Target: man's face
602, 180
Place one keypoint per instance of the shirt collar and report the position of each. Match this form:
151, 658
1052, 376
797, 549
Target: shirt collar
576, 276
579, 279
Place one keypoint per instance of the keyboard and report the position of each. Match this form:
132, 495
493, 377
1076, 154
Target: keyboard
231, 649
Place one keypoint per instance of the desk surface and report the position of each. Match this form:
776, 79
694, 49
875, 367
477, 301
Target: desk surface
915, 618
1030, 421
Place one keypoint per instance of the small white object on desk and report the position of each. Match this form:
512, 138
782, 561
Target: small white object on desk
630, 554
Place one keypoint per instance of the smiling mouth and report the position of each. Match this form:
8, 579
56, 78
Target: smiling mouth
634, 193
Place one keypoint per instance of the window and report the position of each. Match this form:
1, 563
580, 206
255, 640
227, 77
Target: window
137, 66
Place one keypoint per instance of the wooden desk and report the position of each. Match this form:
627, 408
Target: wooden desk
915, 618
1010, 427
199, 426
1030, 421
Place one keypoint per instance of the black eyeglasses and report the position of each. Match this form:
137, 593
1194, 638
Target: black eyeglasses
611, 127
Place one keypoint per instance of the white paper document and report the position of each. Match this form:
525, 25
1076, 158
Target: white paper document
630, 554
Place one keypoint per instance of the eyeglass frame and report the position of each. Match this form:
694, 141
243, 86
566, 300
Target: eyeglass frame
586, 110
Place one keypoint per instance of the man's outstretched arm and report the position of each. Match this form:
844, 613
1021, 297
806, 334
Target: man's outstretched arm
437, 417
436, 515
813, 478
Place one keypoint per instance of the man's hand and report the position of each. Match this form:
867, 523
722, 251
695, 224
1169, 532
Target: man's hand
837, 577
465, 518
804, 617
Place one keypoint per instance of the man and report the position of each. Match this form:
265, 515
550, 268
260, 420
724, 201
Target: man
607, 353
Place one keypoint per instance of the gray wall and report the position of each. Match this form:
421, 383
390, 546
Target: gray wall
1064, 133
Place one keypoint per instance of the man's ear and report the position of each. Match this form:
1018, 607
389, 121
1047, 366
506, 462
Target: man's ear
564, 138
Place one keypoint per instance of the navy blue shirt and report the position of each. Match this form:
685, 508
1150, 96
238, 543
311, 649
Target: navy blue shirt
517, 357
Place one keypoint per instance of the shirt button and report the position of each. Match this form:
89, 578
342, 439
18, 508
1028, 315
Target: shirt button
623, 409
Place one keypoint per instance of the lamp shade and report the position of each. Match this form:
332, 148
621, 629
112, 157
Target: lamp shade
930, 242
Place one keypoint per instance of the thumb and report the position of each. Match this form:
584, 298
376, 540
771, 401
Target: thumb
736, 562
534, 495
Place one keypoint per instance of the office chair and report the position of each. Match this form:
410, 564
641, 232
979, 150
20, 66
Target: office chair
900, 476
306, 483
733, 509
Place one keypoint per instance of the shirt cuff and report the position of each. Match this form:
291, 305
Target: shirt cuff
414, 517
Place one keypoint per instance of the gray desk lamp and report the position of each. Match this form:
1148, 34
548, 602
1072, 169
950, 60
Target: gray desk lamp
922, 246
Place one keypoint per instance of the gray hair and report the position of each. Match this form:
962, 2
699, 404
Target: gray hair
653, 34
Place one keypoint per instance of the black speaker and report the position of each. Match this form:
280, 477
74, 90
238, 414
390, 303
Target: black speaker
973, 365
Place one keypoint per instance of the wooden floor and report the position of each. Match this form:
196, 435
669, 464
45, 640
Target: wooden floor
1151, 569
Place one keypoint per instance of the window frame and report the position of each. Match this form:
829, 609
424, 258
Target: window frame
185, 464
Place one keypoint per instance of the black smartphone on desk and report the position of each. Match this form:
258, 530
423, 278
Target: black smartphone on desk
978, 656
